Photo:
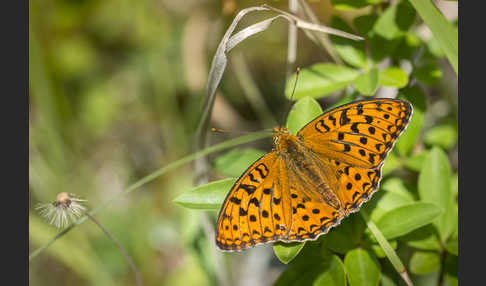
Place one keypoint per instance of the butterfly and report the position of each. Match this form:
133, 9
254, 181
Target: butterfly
312, 180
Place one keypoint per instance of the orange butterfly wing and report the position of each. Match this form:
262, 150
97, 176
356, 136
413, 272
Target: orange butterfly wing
257, 209
359, 133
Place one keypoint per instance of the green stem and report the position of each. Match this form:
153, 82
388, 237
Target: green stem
153, 176
390, 253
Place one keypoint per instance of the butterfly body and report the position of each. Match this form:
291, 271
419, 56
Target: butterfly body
310, 181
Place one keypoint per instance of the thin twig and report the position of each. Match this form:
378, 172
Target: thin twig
138, 278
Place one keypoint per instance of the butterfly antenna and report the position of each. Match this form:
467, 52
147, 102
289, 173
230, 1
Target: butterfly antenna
289, 106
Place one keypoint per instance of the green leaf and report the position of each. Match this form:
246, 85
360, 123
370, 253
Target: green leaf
396, 185
444, 136
346, 236
454, 184
391, 163
434, 186
236, 161
445, 33
394, 77
286, 252
206, 197
407, 218
362, 268
415, 161
407, 140
320, 80
347, 5
429, 74
385, 201
424, 238
333, 275
367, 82
352, 52
395, 21
424, 262
303, 111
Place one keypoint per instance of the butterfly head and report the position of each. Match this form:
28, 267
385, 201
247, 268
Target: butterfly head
279, 133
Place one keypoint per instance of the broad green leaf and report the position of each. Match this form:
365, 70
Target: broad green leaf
454, 184
407, 218
286, 252
391, 163
367, 82
415, 162
352, 52
407, 140
347, 5
343, 100
333, 275
445, 33
395, 21
424, 262
206, 197
394, 77
320, 80
344, 237
303, 111
434, 186
429, 74
385, 201
424, 238
444, 136
236, 161
362, 268
396, 185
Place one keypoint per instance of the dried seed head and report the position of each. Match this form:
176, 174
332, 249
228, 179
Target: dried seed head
66, 208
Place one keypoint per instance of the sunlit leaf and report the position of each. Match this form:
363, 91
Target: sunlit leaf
303, 111
434, 186
234, 162
320, 80
407, 218
367, 82
424, 262
393, 77
206, 197
286, 252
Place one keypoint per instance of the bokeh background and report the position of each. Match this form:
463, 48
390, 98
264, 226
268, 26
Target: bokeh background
116, 90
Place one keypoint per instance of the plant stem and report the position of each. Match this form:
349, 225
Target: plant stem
138, 278
390, 253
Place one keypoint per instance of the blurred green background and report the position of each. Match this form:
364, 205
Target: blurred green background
116, 89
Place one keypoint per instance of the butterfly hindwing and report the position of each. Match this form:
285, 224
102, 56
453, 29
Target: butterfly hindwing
360, 133
256, 210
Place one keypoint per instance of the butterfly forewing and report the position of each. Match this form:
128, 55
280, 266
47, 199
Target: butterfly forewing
360, 133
